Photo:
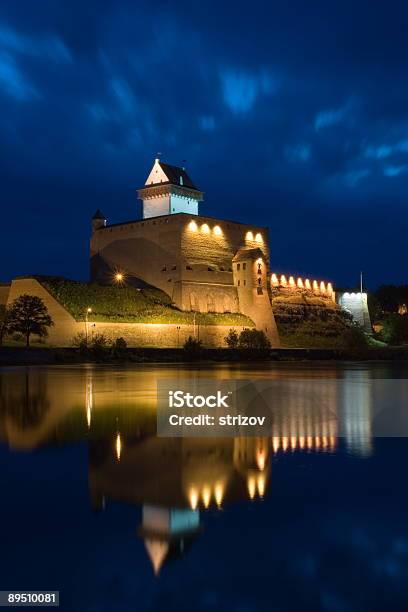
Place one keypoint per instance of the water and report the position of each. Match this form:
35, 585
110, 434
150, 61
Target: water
94, 505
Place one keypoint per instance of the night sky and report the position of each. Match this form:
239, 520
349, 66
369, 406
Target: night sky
288, 114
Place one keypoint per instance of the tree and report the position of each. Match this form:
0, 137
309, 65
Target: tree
232, 339
253, 339
28, 315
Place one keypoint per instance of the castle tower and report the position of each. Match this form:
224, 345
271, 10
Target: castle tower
169, 190
98, 220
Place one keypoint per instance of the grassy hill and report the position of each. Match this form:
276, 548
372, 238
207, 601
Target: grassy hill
128, 304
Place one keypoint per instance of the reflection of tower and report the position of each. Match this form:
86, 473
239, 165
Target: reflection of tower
356, 412
168, 532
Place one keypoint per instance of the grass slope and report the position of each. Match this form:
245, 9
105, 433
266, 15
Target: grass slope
125, 304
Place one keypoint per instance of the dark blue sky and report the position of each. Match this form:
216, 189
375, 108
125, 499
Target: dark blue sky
289, 114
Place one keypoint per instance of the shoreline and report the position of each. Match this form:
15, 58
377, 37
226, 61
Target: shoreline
22, 356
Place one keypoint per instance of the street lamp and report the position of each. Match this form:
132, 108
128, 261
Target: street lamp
87, 312
119, 277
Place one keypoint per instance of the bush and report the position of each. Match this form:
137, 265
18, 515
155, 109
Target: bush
79, 341
192, 347
395, 329
119, 347
253, 339
232, 339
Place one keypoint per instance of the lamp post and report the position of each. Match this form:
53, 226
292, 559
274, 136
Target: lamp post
87, 312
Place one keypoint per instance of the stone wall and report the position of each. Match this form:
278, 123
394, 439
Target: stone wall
4, 293
136, 334
188, 257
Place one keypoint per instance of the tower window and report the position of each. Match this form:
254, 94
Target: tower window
259, 291
174, 268
164, 269
238, 266
244, 283
259, 281
244, 266
189, 268
239, 282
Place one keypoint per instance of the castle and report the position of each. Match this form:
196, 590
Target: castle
204, 265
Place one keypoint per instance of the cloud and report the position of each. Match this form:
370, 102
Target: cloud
50, 47
392, 171
13, 82
240, 89
327, 118
386, 150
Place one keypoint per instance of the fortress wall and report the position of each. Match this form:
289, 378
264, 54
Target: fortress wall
293, 284
356, 304
136, 334
4, 293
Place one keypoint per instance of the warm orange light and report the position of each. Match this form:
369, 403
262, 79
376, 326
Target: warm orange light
206, 495
261, 485
260, 460
291, 281
249, 236
283, 280
274, 279
322, 287
217, 230
118, 447
329, 288
251, 484
119, 277
275, 443
205, 228
89, 310
315, 286
219, 493
307, 283
193, 498
258, 237
192, 226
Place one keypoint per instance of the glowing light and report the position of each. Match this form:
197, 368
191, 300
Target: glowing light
283, 280
275, 443
285, 443
274, 279
293, 442
89, 310
258, 237
118, 446
249, 236
301, 442
206, 495
315, 286
205, 228
329, 288
260, 460
193, 498
192, 226
217, 230
300, 283
322, 287
251, 484
218, 493
261, 485
291, 281
307, 283
119, 277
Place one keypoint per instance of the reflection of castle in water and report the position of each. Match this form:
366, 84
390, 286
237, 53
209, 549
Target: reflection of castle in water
173, 479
